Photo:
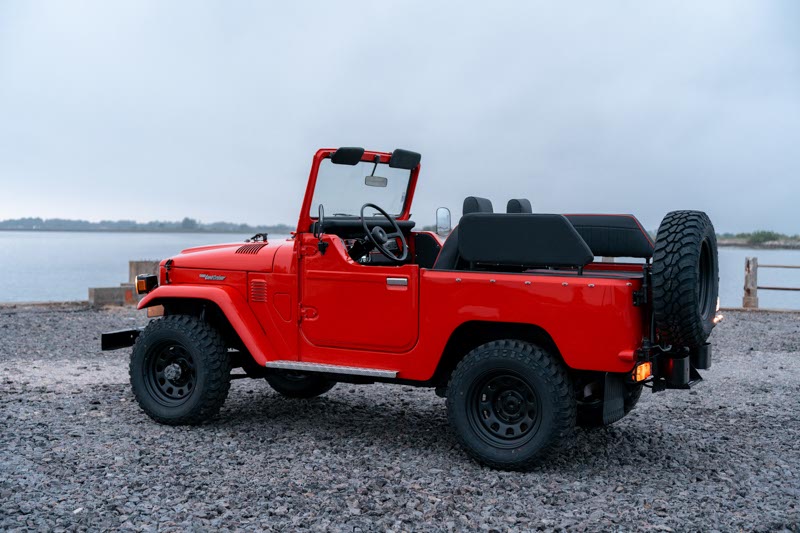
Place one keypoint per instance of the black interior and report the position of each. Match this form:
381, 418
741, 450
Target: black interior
613, 235
351, 228
426, 249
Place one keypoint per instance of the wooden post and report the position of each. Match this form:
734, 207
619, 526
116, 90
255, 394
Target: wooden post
750, 300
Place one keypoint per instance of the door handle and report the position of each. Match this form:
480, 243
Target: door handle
397, 282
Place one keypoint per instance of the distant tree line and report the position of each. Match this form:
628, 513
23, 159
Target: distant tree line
759, 237
188, 225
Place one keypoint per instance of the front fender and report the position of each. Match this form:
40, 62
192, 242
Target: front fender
261, 346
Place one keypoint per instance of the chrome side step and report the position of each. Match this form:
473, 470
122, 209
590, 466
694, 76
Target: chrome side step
332, 369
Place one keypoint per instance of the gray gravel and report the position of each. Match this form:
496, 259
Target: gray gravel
77, 453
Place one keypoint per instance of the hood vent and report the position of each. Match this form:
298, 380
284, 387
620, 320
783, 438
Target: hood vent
258, 290
251, 249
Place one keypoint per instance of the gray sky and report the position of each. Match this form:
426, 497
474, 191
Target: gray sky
160, 110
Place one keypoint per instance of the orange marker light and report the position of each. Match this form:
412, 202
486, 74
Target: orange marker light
141, 286
642, 371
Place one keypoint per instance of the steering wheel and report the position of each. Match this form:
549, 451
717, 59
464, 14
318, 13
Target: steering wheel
378, 236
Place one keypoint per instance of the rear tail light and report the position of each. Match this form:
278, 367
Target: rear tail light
642, 372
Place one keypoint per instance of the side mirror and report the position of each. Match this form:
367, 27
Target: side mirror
319, 225
443, 227
319, 230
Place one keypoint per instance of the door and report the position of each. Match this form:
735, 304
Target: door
348, 305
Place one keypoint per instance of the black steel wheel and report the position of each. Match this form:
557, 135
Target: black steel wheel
180, 370
299, 384
505, 410
510, 403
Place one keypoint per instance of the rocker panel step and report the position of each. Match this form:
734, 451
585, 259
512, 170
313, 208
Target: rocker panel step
331, 369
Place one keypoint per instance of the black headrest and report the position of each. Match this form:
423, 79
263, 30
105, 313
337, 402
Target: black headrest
476, 204
519, 205
613, 235
521, 240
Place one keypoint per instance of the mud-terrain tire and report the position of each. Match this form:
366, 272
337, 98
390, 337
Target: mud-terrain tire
180, 370
685, 279
510, 403
299, 385
590, 414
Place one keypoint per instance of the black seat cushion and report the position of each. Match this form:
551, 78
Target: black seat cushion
519, 205
521, 240
613, 235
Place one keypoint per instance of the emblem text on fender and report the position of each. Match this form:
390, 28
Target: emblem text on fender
212, 277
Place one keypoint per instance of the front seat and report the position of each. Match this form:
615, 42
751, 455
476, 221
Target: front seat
448, 258
519, 205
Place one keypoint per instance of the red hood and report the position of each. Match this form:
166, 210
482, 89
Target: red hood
253, 256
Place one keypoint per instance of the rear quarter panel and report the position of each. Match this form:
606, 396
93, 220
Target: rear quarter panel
591, 320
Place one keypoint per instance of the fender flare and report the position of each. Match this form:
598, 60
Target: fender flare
261, 346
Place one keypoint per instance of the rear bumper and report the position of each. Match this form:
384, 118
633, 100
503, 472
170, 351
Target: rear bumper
679, 370
114, 340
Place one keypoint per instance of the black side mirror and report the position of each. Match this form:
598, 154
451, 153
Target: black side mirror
319, 230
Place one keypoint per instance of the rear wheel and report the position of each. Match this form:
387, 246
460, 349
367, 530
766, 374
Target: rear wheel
299, 385
180, 370
510, 403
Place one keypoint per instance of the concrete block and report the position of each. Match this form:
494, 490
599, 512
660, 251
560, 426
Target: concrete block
112, 296
141, 267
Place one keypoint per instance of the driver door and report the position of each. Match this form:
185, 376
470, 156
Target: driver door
347, 305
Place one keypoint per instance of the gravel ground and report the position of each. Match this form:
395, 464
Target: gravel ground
77, 453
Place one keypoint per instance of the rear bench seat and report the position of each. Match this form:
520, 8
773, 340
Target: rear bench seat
613, 235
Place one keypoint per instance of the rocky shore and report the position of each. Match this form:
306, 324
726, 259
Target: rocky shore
76, 453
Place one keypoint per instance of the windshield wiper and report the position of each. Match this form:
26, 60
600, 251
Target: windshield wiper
342, 215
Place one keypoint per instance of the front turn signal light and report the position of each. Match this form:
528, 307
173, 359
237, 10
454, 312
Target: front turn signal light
146, 283
642, 371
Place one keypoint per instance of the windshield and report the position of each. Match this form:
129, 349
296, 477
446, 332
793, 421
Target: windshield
343, 189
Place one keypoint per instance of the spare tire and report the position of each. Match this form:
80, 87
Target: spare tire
685, 279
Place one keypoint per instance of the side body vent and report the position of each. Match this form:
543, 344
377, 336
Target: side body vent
251, 249
258, 290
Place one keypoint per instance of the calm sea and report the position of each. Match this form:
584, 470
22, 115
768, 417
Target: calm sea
61, 266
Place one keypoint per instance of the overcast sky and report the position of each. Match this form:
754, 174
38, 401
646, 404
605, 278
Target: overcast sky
212, 110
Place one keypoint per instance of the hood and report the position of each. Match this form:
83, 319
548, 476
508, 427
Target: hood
249, 256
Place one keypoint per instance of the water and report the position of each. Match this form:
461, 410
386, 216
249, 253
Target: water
61, 266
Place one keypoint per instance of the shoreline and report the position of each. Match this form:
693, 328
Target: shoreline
762, 246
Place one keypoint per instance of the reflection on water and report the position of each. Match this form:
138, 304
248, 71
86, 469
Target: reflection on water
60, 266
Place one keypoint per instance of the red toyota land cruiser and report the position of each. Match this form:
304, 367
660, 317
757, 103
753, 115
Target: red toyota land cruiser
513, 318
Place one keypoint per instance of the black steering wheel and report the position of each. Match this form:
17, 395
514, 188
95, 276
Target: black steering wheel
378, 236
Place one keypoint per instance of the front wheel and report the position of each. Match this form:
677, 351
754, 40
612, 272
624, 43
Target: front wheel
180, 370
510, 403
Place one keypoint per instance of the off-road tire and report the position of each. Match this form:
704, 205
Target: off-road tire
208, 365
302, 386
517, 366
590, 415
685, 279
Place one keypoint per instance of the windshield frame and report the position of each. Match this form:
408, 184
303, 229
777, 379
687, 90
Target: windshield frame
307, 219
